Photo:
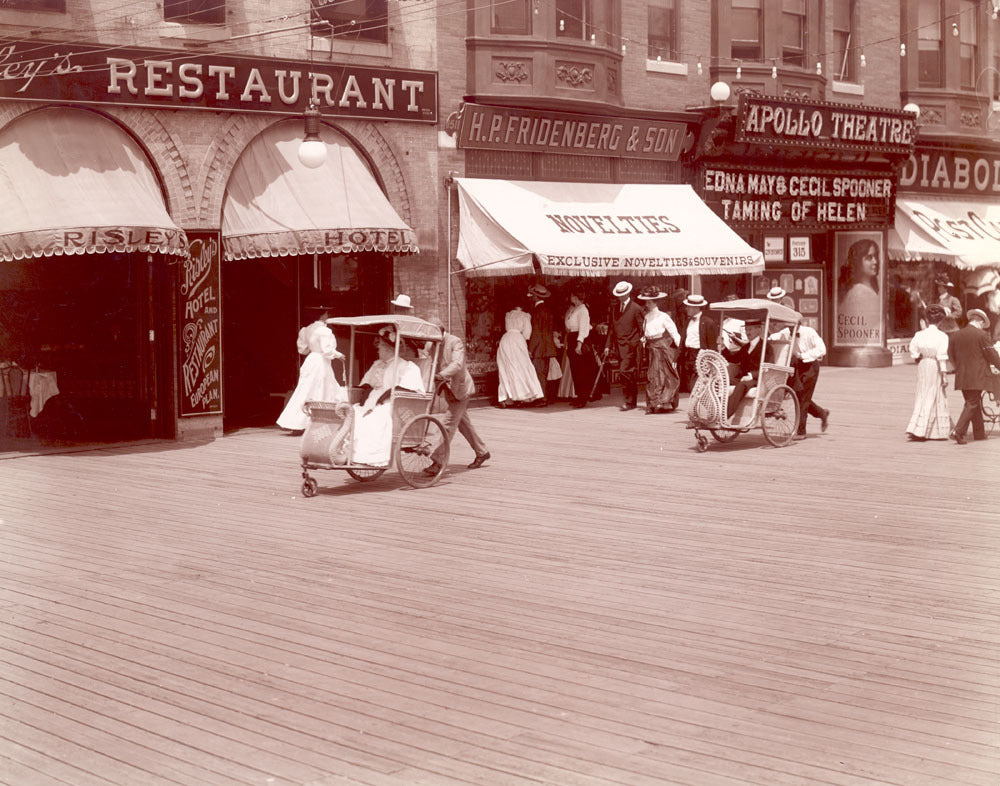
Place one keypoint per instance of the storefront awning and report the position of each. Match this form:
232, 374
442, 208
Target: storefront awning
72, 182
276, 206
595, 229
965, 234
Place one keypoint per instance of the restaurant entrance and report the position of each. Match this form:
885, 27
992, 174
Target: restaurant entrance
96, 329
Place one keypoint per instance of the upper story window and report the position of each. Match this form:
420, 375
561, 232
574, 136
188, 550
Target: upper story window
747, 30
204, 12
661, 24
34, 5
575, 19
968, 29
510, 16
844, 41
929, 17
793, 33
364, 20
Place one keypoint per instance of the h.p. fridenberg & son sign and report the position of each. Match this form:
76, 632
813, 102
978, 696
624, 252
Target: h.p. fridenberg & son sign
98, 74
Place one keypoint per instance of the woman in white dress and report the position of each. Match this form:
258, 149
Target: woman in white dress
662, 340
929, 348
316, 379
579, 354
518, 380
373, 419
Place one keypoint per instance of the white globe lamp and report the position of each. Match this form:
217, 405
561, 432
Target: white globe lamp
720, 91
312, 150
911, 107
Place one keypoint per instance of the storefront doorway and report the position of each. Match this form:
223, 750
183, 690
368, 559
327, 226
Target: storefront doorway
98, 325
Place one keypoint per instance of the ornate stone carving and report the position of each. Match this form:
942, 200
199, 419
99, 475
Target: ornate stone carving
932, 117
574, 75
971, 118
613, 81
511, 70
803, 93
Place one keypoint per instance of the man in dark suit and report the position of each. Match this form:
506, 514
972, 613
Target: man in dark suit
971, 352
626, 321
457, 385
746, 364
542, 344
699, 332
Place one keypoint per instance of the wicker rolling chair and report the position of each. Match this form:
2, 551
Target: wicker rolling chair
711, 391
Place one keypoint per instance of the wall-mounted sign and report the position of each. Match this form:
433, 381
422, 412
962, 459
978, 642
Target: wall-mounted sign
945, 172
534, 131
803, 291
774, 249
780, 121
762, 197
860, 282
798, 249
200, 326
98, 74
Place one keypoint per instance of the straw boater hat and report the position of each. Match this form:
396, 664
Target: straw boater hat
538, 291
698, 301
651, 293
977, 313
403, 301
622, 288
776, 293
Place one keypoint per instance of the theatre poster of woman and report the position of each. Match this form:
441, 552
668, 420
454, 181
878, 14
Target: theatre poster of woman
858, 293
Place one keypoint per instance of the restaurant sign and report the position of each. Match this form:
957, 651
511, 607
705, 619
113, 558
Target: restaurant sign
99, 74
771, 198
945, 172
533, 131
776, 121
200, 321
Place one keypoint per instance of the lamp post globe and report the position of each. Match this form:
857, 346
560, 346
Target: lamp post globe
912, 107
720, 91
312, 153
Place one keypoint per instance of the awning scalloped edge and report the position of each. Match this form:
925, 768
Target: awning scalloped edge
9, 253
283, 244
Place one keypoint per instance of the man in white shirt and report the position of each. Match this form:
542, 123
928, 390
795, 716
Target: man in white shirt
807, 353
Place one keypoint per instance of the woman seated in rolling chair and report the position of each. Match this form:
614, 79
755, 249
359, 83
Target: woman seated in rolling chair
745, 364
373, 417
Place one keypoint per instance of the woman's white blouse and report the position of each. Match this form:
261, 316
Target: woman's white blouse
578, 321
931, 342
659, 322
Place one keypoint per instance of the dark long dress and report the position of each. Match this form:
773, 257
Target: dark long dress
662, 381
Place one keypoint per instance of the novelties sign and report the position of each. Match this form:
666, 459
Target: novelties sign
96, 74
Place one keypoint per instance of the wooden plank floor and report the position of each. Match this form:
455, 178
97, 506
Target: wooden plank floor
600, 604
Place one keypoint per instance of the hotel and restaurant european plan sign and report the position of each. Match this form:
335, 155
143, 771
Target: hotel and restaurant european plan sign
96, 74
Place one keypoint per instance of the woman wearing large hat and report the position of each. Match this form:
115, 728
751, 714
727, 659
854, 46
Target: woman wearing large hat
661, 339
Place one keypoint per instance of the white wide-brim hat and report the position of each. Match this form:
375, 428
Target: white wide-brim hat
698, 301
776, 293
403, 301
622, 288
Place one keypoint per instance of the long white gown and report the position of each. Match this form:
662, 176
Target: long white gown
930, 419
518, 379
372, 421
316, 379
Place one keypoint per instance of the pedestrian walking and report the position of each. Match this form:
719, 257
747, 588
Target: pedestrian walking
578, 347
316, 378
807, 356
929, 349
972, 353
625, 334
700, 332
456, 384
518, 382
542, 345
661, 340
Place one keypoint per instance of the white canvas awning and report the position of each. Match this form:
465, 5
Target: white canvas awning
595, 229
965, 234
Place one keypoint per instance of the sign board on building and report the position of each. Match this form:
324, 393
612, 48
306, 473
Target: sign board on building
97, 74
536, 131
803, 291
199, 306
798, 249
951, 172
783, 121
774, 249
860, 270
803, 199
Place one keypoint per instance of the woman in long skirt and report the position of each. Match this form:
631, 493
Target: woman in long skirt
316, 380
578, 348
661, 339
929, 348
518, 380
